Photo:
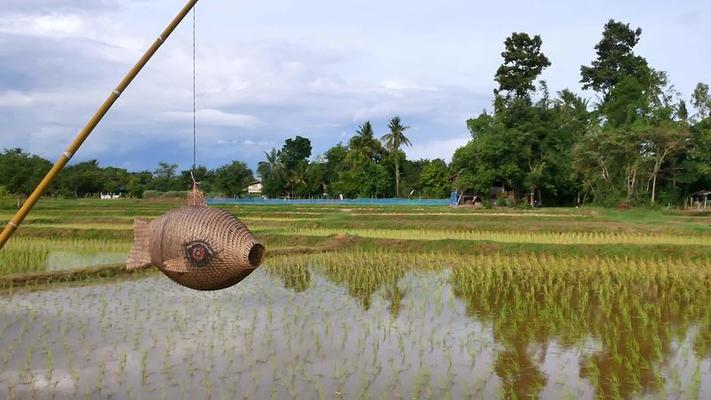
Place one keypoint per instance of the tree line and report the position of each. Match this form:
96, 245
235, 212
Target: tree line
363, 167
637, 143
20, 172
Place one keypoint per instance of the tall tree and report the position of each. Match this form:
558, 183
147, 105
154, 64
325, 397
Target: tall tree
393, 141
295, 151
523, 63
701, 100
615, 59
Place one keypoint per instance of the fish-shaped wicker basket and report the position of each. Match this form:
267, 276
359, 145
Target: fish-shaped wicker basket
197, 246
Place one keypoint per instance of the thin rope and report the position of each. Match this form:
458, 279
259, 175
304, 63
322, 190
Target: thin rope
194, 94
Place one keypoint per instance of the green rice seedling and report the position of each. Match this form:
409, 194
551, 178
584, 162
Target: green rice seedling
49, 359
144, 367
567, 238
28, 254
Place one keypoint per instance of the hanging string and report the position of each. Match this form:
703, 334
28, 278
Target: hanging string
194, 94
196, 197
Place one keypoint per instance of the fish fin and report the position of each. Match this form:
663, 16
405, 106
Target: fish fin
176, 265
140, 256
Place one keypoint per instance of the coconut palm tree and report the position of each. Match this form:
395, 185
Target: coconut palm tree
271, 167
364, 144
393, 141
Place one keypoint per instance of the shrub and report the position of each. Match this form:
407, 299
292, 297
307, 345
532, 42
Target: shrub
175, 194
151, 194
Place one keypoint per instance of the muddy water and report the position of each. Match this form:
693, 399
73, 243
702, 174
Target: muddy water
305, 336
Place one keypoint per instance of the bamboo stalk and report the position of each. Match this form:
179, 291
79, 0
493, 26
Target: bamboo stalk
89, 127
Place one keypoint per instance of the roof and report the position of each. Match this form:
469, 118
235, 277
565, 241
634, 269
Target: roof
702, 193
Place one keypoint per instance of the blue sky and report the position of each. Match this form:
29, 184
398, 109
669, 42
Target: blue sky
272, 70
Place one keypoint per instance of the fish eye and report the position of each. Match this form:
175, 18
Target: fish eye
199, 253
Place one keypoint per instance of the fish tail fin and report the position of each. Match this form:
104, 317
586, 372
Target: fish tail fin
140, 256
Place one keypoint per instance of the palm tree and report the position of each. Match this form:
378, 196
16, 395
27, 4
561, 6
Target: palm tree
271, 167
364, 143
393, 141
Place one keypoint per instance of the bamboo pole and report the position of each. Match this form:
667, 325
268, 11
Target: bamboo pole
89, 127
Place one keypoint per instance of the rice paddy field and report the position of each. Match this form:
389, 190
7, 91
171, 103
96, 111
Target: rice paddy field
365, 302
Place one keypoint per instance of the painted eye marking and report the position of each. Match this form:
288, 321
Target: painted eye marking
199, 253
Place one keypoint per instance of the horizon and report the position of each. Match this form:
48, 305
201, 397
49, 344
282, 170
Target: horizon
313, 70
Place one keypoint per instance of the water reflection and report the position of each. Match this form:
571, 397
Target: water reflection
357, 325
634, 310
635, 316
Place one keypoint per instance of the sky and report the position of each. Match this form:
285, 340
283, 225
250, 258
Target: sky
267, 71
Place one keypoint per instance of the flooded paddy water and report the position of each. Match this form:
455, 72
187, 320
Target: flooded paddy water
447, 303
380, 324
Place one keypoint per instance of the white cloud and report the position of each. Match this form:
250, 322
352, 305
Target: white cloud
16, 99
56, 25
268, 71
214, 117
443, 148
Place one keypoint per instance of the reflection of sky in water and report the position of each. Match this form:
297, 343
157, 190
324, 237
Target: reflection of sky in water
259, 339
59, 260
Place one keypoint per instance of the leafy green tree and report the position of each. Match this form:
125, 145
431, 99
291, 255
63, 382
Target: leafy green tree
315, 180
701, 100
201, 175
334, 167
232, 179
165, 170
165, 178
115, 180
295, 151
82, 179
493, 157
139, 182
410, 172
682, 112
523, 63
615, 60
434, 179
514, 146
625, 104
661, 143
393, 141
374, 180
294, 159
296, 180
21, 172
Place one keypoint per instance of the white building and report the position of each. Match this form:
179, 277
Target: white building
255, 188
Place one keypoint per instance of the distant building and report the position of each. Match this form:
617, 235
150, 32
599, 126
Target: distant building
700, 199
255, 188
